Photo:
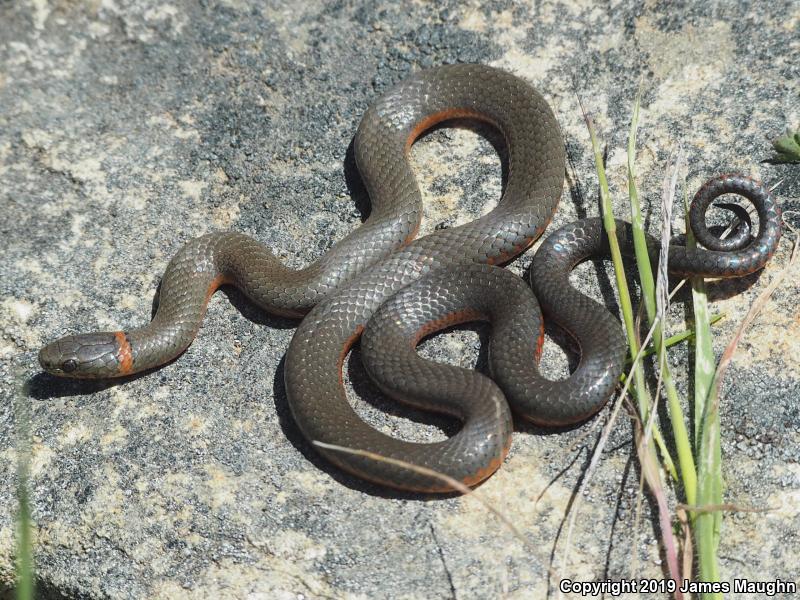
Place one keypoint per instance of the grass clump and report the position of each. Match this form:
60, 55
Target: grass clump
787, 148
699, 456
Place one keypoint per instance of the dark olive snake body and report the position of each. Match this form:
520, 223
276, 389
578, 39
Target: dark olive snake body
380, 281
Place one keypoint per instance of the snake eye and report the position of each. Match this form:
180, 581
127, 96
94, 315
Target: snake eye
69, 365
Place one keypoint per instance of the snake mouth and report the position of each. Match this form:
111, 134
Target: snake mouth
50, 359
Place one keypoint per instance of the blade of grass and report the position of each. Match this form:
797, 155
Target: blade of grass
707, 525
641, 251
24, 589
683, 446
707, 441
653, 482
708, 522
639, 387
661, 296
647, 282
652, 474
25, 580
704, 352
640, 390
787, 147
674, 340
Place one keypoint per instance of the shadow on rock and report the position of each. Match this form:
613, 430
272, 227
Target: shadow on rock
44, 386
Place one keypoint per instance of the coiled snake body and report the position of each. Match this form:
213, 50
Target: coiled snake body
415, 287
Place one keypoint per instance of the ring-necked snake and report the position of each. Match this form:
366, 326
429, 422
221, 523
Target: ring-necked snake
412, 288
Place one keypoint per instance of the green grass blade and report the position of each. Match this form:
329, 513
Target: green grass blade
674, 340
647, 282
639, 239
24, 589
639, 388
787, 148
707, 525
24, 584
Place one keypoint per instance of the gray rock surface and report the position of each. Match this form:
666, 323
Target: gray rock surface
128, 128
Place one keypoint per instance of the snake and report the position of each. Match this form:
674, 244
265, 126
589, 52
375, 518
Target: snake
384, 284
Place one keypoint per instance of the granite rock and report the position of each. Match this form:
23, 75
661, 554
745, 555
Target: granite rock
128, 128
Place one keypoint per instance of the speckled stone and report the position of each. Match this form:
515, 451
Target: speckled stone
128, 128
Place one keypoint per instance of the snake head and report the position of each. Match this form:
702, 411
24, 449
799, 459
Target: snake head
88, 356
